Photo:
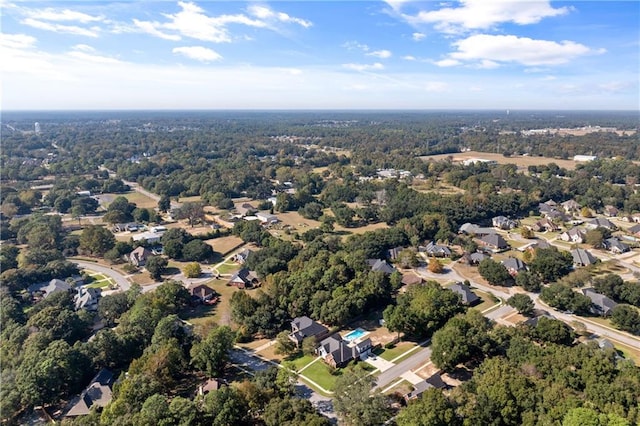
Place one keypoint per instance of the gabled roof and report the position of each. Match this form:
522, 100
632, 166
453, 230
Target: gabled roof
478, 257
614, 243
467, 296
582, 257
514, 264
433, 248
600, 222
202, 291
635, 229
380, 265
494, 240
140, 253
55, 286
602, 302
306, 327
245, 275
411, 278
98, 393
86, 297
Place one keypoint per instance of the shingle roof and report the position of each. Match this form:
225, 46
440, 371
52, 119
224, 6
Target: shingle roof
467, 296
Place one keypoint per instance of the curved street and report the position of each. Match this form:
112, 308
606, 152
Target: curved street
119, 278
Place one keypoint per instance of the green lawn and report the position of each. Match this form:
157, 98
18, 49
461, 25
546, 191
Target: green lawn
301, 361
227, 268
397, 350
487, 301
320, 373
101, 284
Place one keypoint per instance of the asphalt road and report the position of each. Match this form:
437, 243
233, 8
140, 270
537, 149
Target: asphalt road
120, 279
413, 362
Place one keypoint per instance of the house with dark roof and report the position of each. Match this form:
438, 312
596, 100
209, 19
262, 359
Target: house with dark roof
494, 242
203, 294
394, 253
210, 386
600, 222
610, 211
302, 327
244, 278
467, 297
434, 381
635, 230
139, 256
600, 304
533, 321
437, 250
97, 394
381, 265
614, 245
582, 257
477, 257
502, 222
338, 352
514, 265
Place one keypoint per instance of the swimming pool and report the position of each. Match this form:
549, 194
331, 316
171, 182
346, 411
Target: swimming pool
355, 335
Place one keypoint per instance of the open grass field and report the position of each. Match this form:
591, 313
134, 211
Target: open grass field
301, 361
487, 301
297, 222
224, 245
520, 161
140, 200
320, 373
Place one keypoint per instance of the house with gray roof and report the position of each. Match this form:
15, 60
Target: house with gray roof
338, 352
574, 235
571, 206
97, 394
139, 256
244, 278
503, 222
381, 265
302, 327
494, 242
437, 250
87, 298
55, 286
477, 257
514, 265
600, 304
582, 257
616, 246
434, 381
600, 222
635, 230
467, 297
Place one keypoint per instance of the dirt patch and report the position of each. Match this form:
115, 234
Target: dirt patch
426, 370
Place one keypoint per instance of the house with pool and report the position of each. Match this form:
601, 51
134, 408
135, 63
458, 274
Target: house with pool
338, 351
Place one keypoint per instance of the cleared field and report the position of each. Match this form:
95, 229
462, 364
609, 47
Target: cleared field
520, 161
140, 200
224, 245
297, 222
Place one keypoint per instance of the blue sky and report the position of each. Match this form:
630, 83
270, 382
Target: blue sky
397, 54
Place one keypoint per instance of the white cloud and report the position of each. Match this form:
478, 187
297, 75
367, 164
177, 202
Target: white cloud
50, 14
151, 29
198, 53
59, 28
263, 12
192, 21
364, 67
83, 48
510, 48
447, 63
486, 14
409, 58
17, 41
382, 54
487, 64
418, 36
436, 86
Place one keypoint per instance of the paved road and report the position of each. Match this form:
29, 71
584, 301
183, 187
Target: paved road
413, 362
120, 279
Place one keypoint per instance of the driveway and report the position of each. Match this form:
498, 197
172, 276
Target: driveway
379, 363
408, 364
